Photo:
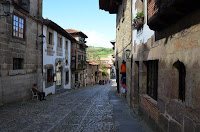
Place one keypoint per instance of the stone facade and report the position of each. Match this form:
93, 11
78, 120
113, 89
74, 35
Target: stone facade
182, 45
21, 53
123, 41
78, 58
93, 72
176, 43
165, 66
56, 52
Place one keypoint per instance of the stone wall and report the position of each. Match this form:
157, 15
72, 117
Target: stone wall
123, 40
173, 44
16, 84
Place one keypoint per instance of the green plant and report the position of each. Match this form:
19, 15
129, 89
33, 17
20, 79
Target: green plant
104, 73
138, 20
138, 15
81, 64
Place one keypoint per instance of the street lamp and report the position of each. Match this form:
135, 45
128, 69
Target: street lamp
7, 8
128, 52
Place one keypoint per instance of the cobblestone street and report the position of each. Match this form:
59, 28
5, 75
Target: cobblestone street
85, 109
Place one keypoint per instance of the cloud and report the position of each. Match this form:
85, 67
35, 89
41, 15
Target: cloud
97, 39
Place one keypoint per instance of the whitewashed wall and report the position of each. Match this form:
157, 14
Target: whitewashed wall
51, 60
146, 32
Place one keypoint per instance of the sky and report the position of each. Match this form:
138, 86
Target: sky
85, 16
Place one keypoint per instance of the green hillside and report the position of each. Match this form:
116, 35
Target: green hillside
99, 52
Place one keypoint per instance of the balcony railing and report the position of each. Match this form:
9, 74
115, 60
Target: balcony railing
81, 65
162, 13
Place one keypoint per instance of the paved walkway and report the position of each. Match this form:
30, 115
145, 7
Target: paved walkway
84, 110
123, 116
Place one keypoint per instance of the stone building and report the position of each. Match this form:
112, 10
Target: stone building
56, 58
109, 69
169, 65
20, 50
93, 72
123, 35
164, 63
78, 57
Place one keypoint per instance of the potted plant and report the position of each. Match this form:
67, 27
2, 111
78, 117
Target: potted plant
138, 21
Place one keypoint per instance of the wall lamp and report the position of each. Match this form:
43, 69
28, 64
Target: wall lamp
7, 8
128, 52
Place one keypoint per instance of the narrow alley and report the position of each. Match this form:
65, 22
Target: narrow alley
86, 109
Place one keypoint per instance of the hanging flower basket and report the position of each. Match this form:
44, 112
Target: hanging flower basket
138, 21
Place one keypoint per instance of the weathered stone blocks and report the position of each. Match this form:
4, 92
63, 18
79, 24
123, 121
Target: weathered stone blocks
174, 126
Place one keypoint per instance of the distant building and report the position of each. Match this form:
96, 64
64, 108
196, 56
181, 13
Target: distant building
93, 72
108, 62
78, 58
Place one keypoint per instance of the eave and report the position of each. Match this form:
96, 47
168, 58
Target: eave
110, 5
59, 29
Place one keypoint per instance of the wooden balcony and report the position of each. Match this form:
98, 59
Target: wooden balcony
110, 5
163, 13
25, 5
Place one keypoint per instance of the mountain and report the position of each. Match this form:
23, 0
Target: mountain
101, 52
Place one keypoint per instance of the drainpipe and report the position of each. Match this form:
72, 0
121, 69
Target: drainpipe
131, 90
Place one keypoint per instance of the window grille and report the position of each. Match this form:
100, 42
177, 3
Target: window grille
17, 63
152, 78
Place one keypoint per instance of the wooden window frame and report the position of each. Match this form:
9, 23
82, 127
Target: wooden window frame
152, 78
66, 45
66, 77
24, 26
50, 39
59, 42
18, 66
49, 83
79, 58
182, 75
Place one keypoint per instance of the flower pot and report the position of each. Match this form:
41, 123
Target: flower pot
138, 23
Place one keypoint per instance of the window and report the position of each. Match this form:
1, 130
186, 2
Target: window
152, 78
18, 27
79, 58
81, 46
17, 63
181, 79
59, 42
67, 78
50, 38
49, 75
66, 45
